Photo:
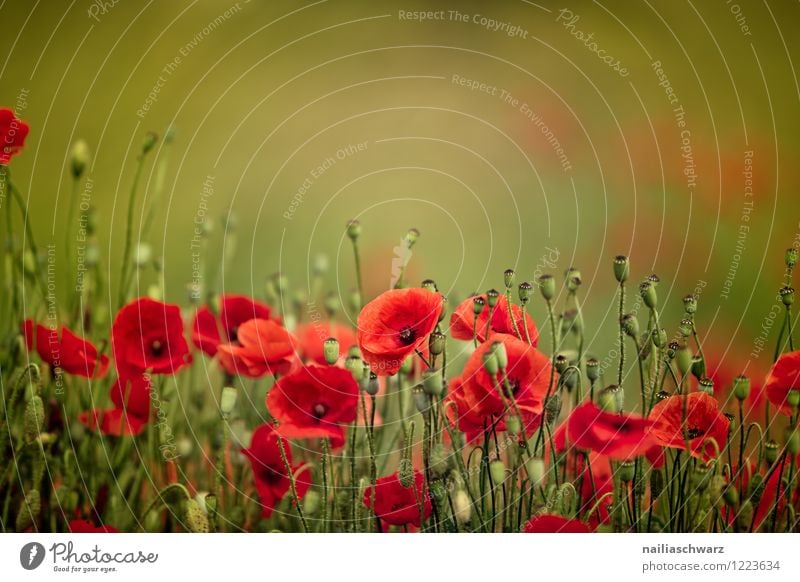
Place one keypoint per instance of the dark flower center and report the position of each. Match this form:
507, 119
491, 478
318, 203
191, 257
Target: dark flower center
514, 385
407, 336
233, 333
156, 348
693, 433
319, 410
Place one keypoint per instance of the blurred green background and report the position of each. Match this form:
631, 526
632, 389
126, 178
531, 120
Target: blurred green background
495, 128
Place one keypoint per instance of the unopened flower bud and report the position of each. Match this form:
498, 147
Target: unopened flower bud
29, 510
497, 471
501, 354
561, 363
690, 303
406, 472
787, 295
356, 367
369, 383
792, 439
311, 502
490, 363
508, 278
684, 358
411, 237
33, 420
439, 462
791, 257
354, 229
354, 300
462, 506
659, 337
536, 470
330, 348
80, 158
552, 408
662, 395
698, 367
741, 387
592, 369
429, 285
621, 268
478, 303
574, 281
492, 295
771, 449
150, 140
706, 385
731, 496
547, 286
648, 292
611, 398
421, 399
793, 397
437, 343
744, 517
227, 400
630, 325
432, 382
626, 471
513, 424
407, 365
700, 476
525, 289
672, 349
685, 327
194, 516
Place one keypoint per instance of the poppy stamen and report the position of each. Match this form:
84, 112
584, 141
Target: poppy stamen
407, 335
319, 410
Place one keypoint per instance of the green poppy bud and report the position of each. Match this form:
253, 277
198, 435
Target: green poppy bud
492, 295
525, 289
354, 229
690, 303
744, 516
706, 385
80, 158
150, 140
356, 367
497, 471
698, 367
611, 398
406, 472
792, 439
330, 348
630, 325
508, 278
574, 281
552, 408
439, 462
411, 237
700, 476
648, 292
320, 265
29, 510
500, 353
462, 507
429, 285
684, 358
369, 382
621, 268
547, 287
490, 363
561, 363
787, 295
672, 349
33, 420
686, 326
421, 399
741, 387
626, 471
311, 502
536, 470
354, 300
592, 369
407, 365
227, 400
771, 449
478, 303
432, 382
437, 343
195, 518
513, 424
659, 337
793, 397
731, 496
791, 257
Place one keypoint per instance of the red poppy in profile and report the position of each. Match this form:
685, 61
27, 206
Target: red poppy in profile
783, 382
85, 526
395, 324
314, 401
398, 505
551, 523
130, 413
269, 469
262, 347
313, 335
65, 351
527, 372
147, 335
703, 422
13, 132
462, 321
234, 310
618, 436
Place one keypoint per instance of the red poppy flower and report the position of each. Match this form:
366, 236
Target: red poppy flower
703, 422
234, 310
312, 339
13, 132
597, 483
784, 378
85, 526
314, 401
462, 321
131, 411
395, 324
147, 335
528, 374
398, 505
272, 480
551, 523
262, 347
618, 436
68, 352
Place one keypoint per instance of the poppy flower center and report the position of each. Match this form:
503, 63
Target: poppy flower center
407, 335
319, 410
233, 333
693, 433
156, 348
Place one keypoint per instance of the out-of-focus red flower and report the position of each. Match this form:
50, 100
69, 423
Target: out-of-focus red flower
130, 413
597, 483
551, 523
462, 321
656, 456
618, 436
783, 379
395, 324
66, 351
272, 480
528, 374
208, 330
698, 415
314, 401
262, 347
13, 132
85, 526
398, 505
147, 336
313, 335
